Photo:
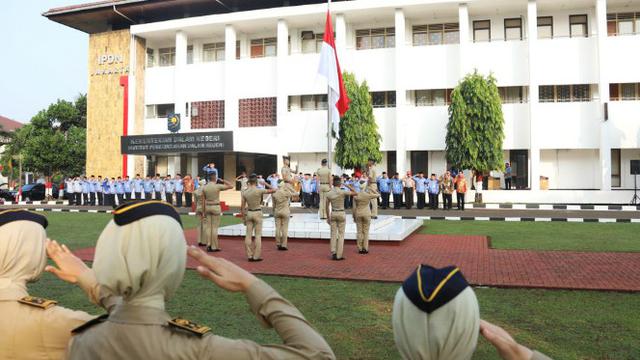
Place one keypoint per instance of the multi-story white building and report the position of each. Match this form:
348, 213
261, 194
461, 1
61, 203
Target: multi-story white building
568, 72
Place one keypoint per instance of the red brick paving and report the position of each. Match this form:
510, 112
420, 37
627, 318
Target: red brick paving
480, 264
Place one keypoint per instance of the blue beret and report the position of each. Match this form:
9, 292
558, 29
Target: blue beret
135, 210
11, 215
429, 288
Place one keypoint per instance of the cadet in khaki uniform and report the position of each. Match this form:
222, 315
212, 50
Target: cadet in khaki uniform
362, 217
141, 256
282, 202
197, 193
337, 217
31, 327
285, 172
324, 179
210, 204
251, 209
373, 186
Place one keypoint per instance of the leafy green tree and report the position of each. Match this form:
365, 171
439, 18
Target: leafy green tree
359, 138
475, 131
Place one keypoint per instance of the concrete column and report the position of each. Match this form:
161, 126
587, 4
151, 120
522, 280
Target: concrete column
401, 92
463, 20
534, 148
341, 34
603, 90
194, 166
231, 110
179, 78
131, 113
281, 89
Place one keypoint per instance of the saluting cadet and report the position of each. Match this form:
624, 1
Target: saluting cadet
137, 187
261, 184
106, 192
178, 187
99, 190
86, 190
281, 213
336, 217
147, 186
372, 177
120, 190
324, 179
68, 189
198, 201
396, 190
77, 189
141, 257
384, 185
251, 209
209, 170
113, 191
168, 189
210, 203
362, 217
126, 183
157, 187
32, 327
285, 172
433, 186
91, 195
421, 189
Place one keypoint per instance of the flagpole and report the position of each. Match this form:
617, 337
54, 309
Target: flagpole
329, 122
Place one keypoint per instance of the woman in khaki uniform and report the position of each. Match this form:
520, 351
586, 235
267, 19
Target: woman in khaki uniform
198, 206
141, 256
362, 217
281, 203
31, 327
251, 209
336, 217
210, 204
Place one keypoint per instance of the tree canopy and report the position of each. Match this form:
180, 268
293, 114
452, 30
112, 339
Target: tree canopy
359, 138
475, 131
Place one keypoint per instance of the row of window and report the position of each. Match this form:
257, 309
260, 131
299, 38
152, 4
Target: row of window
623, 24
442, 97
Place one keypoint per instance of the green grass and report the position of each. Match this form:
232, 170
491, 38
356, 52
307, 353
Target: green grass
545, 235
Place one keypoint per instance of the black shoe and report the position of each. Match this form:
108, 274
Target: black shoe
279, 247
374, 217
334, 257
201, 244
339, 259
209, 249
360, 251
365, 251
216, 250
254, 260
282, 248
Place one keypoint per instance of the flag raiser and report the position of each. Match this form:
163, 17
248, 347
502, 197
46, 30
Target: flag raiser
330, 69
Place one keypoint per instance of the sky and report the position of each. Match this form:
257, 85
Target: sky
41, 60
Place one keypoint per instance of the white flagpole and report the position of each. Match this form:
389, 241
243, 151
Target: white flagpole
329, 111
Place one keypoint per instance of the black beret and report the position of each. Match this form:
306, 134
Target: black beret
135, 210
11, 215
429, 288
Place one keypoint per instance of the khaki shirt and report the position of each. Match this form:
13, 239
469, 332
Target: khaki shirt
30, 332
281, 199
253, 197
373, 177
362, 201
197, 193
211, 193
286, 173
137, 332
336, 198
324, 175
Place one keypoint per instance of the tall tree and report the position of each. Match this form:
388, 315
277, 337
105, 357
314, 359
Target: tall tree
359, 138
475, 131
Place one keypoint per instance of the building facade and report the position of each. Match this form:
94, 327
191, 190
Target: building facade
243, 79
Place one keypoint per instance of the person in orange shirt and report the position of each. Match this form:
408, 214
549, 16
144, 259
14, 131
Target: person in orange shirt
461, 190
188, 190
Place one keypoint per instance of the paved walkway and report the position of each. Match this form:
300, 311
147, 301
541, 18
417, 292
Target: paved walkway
481, 265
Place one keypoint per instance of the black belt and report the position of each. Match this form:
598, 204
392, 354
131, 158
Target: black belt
337, 210
208, 203
324, 183
255, 209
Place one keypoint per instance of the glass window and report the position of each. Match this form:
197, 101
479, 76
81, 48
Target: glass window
308, 102
270, 47
481, 30
513, 29
581, 92
545, 27
151, 112
614, 92
382, 99
263, 47
434, 97
623, 24
511, 94
615, 167
420, 34
546, 93
238, 50
375, 38
151, 59
578, 26
563, 93
163, 110
321, 102
628, 91
308, 42
213, 52
167, 56
190, 54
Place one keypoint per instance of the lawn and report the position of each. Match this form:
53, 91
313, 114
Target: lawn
355, 317
544, 235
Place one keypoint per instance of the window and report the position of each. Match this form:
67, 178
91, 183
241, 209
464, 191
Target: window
257, 112
190, 54
615, 168
238, 50
435, 97
512, 94
375, 38
207, 114
167, 56
383, 99
565, 93
436, 34
625, 91
308, 102
159, 111
623, 24
482, 30
311, 43
545, 27
513, 29
213, 52
578, 26
151, 59
263, 47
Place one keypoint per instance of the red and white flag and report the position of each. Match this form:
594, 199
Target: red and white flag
330, 69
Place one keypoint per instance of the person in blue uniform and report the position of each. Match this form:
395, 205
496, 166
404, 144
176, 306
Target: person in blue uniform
396, 190
120, 190
113, 191
168, 189
315, 189
85, 190
126, 184
105, 192
137, 187
421, 189
99, 191
147, 186
433, 187
210, 169
178, 187
307, 191
157, 187
384, 185
92, 190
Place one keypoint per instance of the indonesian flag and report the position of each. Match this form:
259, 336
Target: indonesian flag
330, 69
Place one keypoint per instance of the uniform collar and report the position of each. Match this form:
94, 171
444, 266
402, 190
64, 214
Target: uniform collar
142, 315
12, 293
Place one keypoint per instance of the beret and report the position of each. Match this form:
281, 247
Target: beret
135, 210
429, 288
11, 215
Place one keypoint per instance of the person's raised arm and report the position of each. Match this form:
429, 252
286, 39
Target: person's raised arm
507, 347
227, 184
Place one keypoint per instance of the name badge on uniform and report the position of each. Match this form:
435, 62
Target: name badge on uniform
37, 302
189, 326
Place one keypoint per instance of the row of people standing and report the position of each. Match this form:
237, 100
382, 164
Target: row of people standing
404, 190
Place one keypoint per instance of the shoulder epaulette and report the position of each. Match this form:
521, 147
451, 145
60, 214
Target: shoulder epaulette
90, 323
38, 302
189, 326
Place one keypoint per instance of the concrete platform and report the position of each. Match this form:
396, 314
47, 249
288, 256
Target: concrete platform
309, 226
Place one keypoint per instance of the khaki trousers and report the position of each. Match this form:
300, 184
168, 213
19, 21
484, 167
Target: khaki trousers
201, 228
362, 225
324, 189
213, 223
282, 228
374, 202
338, 223
253, 221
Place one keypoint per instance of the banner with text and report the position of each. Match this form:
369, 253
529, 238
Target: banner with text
177, 143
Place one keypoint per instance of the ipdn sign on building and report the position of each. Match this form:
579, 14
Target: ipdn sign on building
200, 142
